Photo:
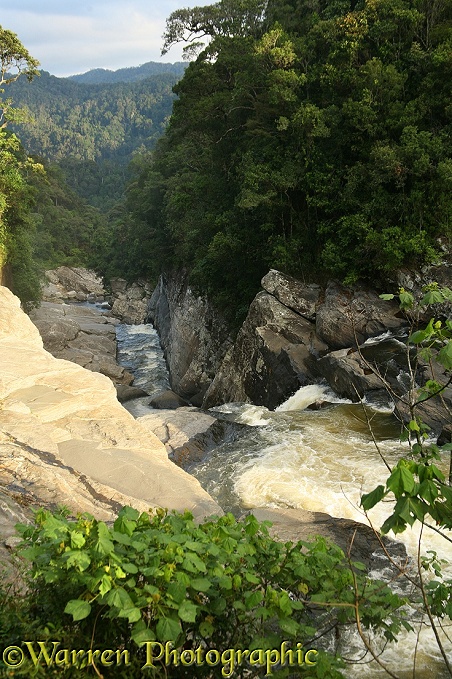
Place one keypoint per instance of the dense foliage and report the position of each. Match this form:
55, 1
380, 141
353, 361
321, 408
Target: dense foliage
15, 196
220, 585
307, 136
93, 130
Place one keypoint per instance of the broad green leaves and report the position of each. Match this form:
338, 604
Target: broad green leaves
224, 583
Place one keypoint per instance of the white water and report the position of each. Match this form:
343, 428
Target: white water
321, 460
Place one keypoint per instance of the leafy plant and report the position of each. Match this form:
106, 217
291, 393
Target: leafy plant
224, 584
421, 491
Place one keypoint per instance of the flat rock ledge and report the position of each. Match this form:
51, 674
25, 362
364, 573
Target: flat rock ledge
66, 439
82, 335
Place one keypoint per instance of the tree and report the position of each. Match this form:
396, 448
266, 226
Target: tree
307, 134
15, 61
15, 194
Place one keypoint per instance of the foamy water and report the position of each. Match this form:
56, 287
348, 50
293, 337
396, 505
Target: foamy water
321, 460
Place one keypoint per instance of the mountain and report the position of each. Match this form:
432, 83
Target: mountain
93, 130
98, 76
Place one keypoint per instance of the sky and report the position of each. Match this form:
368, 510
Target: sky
74, 36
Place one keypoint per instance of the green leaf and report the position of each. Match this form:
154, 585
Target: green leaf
133, 614
119, 597
386, 296
432, 297
206, 629
77, 539
289, 626
168, 629
187, 611
418, 337
406, 299
445, 356
141, 633
201, 584
369, 500
401, 480
105, 584
77, 558
78, 609
103, 544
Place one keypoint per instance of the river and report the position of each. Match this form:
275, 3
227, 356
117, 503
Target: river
319, 460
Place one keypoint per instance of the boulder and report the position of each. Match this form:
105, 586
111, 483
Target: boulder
348, 316
300, 297
168, 400
82, 335
177, 428
127, 393
274, 354
129, 300
68, 282
362, 542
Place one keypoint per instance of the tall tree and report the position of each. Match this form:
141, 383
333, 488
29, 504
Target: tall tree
16, 261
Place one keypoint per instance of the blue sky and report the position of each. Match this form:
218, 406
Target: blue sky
73, 36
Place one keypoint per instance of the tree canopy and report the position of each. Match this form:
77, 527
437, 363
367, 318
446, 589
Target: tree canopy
15, 195
314, 137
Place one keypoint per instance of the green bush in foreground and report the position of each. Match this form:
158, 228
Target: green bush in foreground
160, 578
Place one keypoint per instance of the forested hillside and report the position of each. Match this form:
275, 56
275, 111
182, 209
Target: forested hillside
92, 131
310, 137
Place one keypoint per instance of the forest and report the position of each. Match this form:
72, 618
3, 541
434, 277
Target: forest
312, 137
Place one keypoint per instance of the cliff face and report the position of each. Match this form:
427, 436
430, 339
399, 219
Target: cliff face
193, 337
294, 335
66, 439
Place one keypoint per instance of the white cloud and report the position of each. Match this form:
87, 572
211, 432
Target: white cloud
70, 38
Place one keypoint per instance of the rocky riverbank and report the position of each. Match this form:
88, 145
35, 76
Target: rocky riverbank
66, 439
294, 334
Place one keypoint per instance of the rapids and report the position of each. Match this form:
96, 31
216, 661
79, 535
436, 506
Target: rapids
320, 460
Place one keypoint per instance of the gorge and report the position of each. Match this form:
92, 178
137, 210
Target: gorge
293, 466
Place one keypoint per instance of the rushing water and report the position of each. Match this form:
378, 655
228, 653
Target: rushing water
319, 460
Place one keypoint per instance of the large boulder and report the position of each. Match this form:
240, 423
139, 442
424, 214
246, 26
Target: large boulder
300, 297
82, 335
60, 422
274, 354
130, 300
69, 282
348, 316
360, 541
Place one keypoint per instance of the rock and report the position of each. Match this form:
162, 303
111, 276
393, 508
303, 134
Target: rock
68, 282
62, 429
274, 354
353, 373
129, 300
126, 393
194, 338
168, 400
348, 316
300, 524
177, 428
347, 374
82, 335
299, 297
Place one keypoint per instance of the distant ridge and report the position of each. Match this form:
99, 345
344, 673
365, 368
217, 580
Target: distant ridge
127, 75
